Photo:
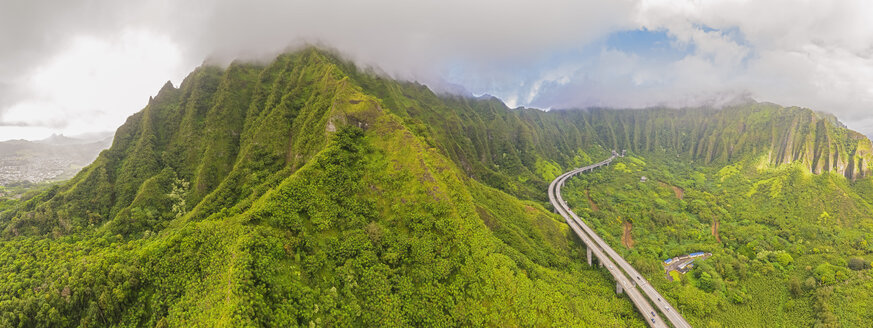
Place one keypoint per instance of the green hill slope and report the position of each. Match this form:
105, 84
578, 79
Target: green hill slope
286, 195
307, 192
790, 248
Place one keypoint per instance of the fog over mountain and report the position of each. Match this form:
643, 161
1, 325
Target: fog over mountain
80, 66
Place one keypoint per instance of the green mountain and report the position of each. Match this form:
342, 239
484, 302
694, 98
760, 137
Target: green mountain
789, 247
286, 195
309, 192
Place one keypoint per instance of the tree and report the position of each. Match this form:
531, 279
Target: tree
783, 258
825, 273
809, 283
706, 282
794, 286
180, 191
858, 264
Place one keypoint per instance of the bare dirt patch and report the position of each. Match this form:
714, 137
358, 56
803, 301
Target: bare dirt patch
529, 209
591, 202
679, 192
676, 190
715, 230
626, 238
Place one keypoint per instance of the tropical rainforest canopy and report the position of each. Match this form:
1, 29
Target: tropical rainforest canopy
308, 192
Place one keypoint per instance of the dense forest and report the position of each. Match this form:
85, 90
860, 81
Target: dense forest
790, 248
308, 192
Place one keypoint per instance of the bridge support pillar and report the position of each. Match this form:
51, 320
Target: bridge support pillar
618, 289
589, 256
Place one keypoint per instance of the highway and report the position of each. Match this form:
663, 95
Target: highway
625, 275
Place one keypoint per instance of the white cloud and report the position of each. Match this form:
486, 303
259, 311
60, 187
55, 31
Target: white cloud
816, 54
27, 133
86, 64
94, 83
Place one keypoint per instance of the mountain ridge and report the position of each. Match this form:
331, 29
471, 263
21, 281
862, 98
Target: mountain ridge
331, 213
245, 118
287, 193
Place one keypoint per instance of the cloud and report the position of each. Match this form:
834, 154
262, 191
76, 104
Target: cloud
816, 54
76, 66
806, 53
83, 64
412, 40
408, 39
94, 83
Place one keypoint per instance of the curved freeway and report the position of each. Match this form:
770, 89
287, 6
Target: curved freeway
625, 275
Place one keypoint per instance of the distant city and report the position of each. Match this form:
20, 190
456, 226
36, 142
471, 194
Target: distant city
55, 158
13, 170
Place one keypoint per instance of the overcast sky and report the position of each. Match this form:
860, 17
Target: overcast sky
81, 66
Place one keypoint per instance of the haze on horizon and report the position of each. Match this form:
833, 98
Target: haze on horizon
81, 66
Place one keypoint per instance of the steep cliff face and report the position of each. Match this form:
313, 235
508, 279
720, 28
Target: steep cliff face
501, 146
287, 195
305, 192
225, 136
784, 135
218, 137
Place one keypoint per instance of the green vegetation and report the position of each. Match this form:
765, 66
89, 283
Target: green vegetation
23, 189
792, 248
286, 195
305, 192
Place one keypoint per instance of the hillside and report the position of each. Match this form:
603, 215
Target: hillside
285, 195
308, 192
790, 248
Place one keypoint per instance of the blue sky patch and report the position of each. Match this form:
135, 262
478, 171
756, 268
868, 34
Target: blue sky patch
733, 33
657, 45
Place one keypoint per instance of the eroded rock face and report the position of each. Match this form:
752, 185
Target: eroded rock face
822, 144
818, 141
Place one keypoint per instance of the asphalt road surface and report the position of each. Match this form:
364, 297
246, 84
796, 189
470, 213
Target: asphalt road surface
625, 275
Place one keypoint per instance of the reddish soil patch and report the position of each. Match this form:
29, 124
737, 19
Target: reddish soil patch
679, 192
676, 190
715, 230
626, 238
591, 202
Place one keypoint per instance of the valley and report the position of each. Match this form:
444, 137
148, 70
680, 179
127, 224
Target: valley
769, 234
305, 191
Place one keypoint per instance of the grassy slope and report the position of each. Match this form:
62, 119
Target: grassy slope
764, 214
219, 204
364, 226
